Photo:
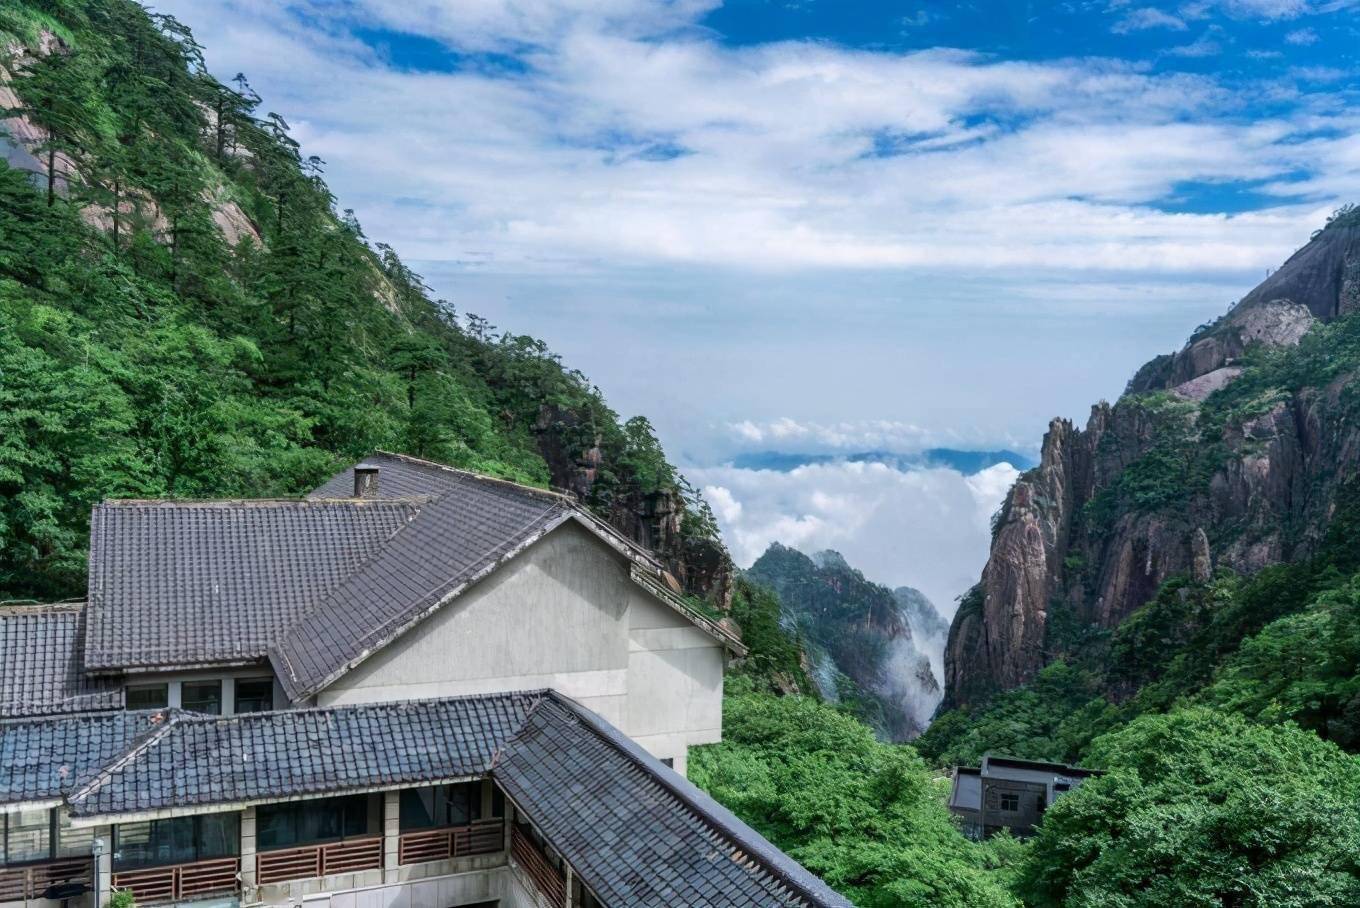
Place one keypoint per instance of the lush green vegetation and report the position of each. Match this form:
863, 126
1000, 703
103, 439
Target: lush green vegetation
1202, 808
868, 817
148, 350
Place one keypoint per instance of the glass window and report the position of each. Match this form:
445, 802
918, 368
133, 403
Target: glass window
178, 840
441, 805
1010, 801
201, 696
28, 836
148, 696
73, 842
305, 822
254, 695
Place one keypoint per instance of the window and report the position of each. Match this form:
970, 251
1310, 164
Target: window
40, 835
179, 840
28, 836
148, 696
254, 695
1061, 787
73, 842
1010, 801
307, 822
441, 805
201, 696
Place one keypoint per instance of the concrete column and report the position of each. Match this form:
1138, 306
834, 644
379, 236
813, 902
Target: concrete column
487, 788
248, 878
172, 695
228, 696
104, 866
391, 825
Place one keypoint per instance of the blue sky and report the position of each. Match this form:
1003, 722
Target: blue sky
819, 227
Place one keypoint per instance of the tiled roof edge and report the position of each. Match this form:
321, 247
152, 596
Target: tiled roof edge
224, 503
779, 865
703, 622
142, 742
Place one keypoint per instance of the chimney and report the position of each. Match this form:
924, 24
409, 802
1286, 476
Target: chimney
366, 480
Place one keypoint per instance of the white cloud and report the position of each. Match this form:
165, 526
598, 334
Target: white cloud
1147, 17
616, 146
927, 528
1301, 37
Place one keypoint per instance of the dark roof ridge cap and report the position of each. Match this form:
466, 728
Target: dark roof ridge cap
704, 808
257, 502
139, 744
112, 714
193, 718
552, 494
29, 607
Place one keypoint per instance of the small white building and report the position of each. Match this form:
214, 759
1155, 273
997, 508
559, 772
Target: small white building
419, 687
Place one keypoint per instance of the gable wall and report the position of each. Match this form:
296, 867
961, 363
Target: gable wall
565, 615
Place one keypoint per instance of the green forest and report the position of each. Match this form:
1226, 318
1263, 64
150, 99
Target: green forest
147, 351
186, 311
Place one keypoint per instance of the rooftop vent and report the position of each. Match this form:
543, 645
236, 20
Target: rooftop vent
366, 481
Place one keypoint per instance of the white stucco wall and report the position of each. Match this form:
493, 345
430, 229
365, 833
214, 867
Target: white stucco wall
563, 614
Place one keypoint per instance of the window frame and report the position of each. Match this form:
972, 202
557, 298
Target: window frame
54, 838
195, 836
236, 694
163, 686
1011, 798
204, 682
298, 806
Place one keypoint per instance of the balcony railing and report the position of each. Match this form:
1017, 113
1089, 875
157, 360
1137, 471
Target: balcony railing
349, 856
549, 881
181, 881
19, 884
480, 837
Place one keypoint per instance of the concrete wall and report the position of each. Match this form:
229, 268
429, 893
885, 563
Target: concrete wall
563, 614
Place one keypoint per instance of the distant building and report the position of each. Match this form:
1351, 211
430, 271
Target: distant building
1008, 793
418, 687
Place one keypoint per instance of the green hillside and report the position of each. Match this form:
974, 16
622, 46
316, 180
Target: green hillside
184, 312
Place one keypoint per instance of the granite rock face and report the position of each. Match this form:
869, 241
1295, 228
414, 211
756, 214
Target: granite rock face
861, 642
1090, 535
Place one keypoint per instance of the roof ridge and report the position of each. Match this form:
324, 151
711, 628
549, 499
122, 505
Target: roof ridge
258, 502
380, 706
701, 812
137, 746
480, 477
27, 607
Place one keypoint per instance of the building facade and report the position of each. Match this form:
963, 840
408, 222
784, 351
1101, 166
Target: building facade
1009, 793
417, 687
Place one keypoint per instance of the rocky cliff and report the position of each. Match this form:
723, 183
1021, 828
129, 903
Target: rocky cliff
1225, 454
860, 640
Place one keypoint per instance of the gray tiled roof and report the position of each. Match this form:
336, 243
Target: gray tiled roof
317, 585
42, 651
188, 583
44, 759
204, 760
637, 833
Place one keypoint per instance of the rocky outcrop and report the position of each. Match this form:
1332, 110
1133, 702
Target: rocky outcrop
657, 519
860, 642
1152, 487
